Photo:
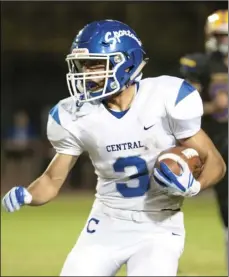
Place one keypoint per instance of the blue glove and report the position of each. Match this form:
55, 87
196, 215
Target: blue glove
181, 185
15, 198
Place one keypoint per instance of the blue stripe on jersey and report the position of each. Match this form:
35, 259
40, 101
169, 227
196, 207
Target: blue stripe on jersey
118, 114
184, 91
55, 114
122, 113
137, 87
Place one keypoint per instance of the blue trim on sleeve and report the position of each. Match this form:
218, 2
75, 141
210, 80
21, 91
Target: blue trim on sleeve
54, 112
184, 91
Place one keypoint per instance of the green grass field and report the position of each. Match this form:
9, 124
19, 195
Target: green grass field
35, 241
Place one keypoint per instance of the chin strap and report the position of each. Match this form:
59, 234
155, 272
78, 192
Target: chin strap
137, 74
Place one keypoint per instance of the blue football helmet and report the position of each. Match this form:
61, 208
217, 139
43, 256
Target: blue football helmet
114, 45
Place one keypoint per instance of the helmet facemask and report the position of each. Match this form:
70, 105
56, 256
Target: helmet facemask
88, 85
120, 52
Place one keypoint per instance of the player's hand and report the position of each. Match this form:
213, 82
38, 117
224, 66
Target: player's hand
15, 198
183, 185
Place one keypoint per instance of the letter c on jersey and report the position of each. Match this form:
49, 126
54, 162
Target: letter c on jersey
96, 221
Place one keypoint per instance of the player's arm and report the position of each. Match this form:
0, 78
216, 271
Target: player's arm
47, 186
214, 166
184, 109
43, 189
68, 147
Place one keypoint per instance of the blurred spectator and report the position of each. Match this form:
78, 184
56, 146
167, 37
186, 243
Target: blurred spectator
19, 136
19, 146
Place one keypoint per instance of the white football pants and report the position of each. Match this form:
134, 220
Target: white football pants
149, 244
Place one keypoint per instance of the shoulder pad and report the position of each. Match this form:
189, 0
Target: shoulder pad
182, 100
67, 110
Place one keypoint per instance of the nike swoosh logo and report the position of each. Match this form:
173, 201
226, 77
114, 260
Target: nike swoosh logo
174, 234
147, 128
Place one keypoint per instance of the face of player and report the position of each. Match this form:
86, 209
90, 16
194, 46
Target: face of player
93, 66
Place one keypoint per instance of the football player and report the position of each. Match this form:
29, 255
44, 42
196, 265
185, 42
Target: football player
209, 72
123, 122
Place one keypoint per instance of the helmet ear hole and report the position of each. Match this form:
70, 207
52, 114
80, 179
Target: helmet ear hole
130, 68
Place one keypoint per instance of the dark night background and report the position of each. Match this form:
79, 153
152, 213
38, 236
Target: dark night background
35, 39
36, 36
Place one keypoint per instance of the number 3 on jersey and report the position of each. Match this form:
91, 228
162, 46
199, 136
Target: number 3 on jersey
142, 176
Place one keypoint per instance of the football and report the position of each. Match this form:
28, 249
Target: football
189, 155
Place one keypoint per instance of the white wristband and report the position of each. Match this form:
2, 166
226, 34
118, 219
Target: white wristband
194, 189
27, 197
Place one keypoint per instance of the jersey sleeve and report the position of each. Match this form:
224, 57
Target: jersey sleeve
184, 109
60, 138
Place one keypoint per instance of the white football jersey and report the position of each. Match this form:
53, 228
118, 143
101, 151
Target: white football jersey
124, 150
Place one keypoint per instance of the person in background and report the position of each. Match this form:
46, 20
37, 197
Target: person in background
209, 73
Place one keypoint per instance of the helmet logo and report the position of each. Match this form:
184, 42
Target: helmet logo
114, 37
